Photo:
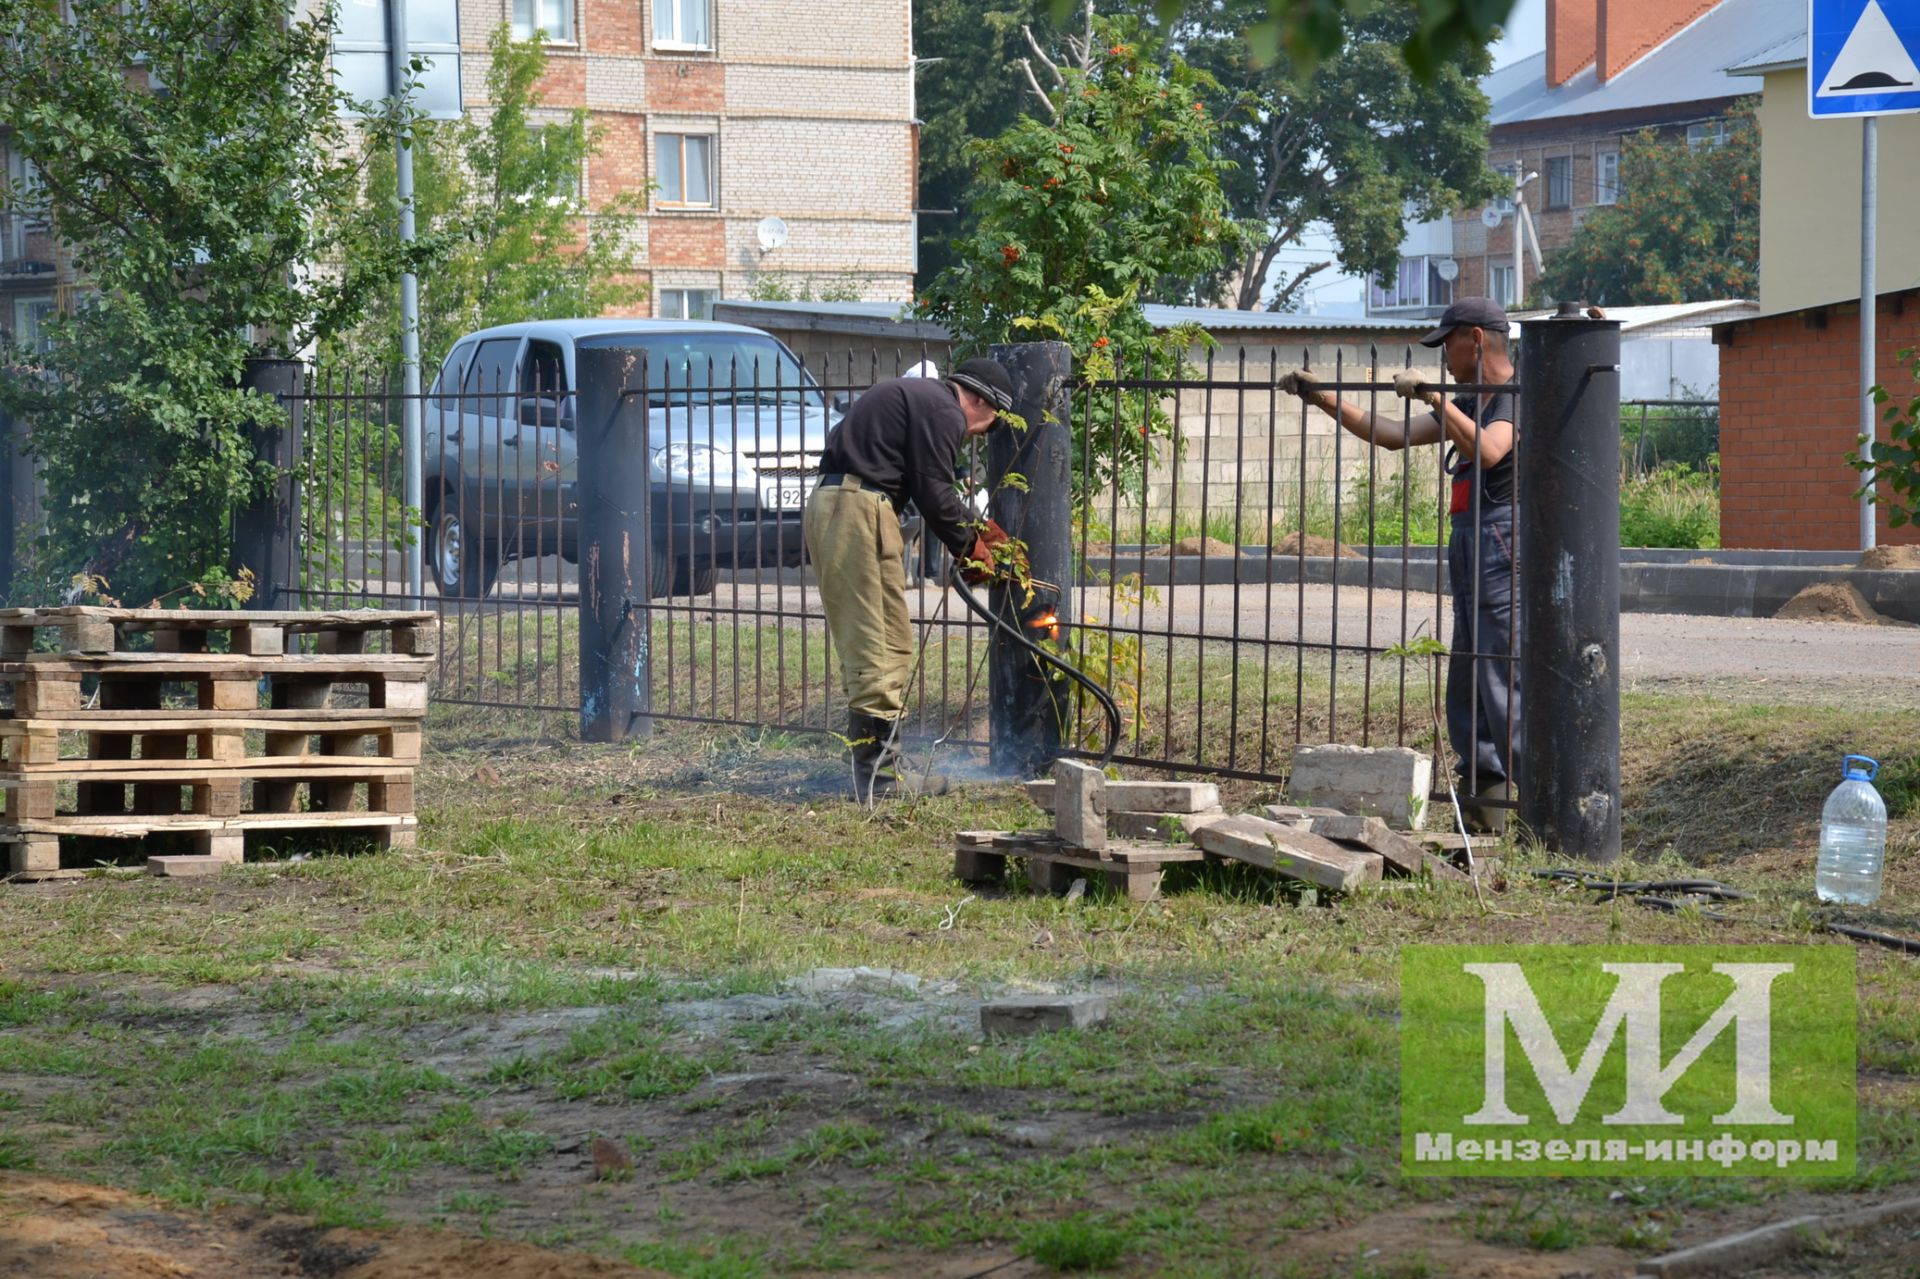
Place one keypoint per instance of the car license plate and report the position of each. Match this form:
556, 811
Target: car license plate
787, 494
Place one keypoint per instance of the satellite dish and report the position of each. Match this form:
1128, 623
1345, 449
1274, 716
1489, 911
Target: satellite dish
1490, 217
1449, 269
772, 233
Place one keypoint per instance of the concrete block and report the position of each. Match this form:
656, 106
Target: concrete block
1162, 797
1297, 854
1371, 835
1025, 1015
1442, 871
1297, 817
1140, 797
1175, 827
974, 865
1388, 782
1080, 805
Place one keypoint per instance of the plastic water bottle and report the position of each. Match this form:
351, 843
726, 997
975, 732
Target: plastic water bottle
1853, 837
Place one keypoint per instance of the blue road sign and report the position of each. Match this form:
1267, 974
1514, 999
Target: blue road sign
1863, 57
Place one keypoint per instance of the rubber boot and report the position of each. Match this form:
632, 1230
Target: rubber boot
1483, 820
877, 771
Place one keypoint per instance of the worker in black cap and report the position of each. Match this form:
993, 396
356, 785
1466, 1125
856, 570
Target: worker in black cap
1478, 428
899, 443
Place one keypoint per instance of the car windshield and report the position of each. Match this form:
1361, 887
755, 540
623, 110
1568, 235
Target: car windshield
728, 367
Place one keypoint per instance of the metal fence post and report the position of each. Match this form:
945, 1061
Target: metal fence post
1025, 706
266, 530
1568, 516
616, 673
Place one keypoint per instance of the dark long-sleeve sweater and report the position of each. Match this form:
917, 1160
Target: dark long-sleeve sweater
903, 437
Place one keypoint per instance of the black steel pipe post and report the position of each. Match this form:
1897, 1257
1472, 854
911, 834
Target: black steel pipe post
1026, 704
266, 530
16, 481
616, 672
1568, 530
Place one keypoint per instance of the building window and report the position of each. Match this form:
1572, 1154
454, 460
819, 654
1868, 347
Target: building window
552, 20
30, 317
361, 66
1606, 183
685, 304
685, 169
1417, 282
683, 24
1510, 173
1500, 285
556, 139
1709, 133
1560, 182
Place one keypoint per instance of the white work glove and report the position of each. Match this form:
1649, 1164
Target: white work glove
1299, 382
1407, 384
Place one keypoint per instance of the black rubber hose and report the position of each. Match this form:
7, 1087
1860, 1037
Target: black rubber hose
1072, 672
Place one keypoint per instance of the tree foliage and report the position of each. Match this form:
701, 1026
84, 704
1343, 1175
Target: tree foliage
191, 155
1895, 467
1350, 139
1108, 197
1686, 227
497, 207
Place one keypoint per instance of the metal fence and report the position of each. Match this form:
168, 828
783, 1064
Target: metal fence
1249, 576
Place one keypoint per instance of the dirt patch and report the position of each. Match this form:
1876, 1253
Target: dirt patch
1835, 602
55, 1229
1907, 557
1321, 546
1196, 546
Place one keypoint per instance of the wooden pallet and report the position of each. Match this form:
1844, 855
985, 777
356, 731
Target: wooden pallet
86, 630
47, 686
35, 851
76, 744
980, 857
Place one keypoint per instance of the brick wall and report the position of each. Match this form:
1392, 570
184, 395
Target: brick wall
1789, 416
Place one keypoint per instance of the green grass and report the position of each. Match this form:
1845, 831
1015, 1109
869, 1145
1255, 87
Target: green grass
433, 1034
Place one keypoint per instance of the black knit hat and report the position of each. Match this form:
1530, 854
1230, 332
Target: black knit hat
986, 379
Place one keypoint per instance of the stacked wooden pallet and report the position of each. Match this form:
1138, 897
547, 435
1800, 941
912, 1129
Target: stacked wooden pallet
1128, 833
229, 723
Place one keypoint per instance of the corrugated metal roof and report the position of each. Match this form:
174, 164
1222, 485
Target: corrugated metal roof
1213, 319
1640, 317
1789, 52
1691, 66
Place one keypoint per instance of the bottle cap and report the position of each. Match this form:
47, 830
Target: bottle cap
1859, 768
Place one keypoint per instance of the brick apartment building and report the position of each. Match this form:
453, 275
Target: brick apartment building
737, 111
1611, 68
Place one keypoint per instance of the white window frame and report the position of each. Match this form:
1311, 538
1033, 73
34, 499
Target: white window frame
1503, 203
683, 295
21, 306
672, 14
540, 16
1553, 195
713, 177
1707, 133
1606, 178
1497, 290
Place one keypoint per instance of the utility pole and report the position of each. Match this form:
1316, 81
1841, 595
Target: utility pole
1869, 299
411, 445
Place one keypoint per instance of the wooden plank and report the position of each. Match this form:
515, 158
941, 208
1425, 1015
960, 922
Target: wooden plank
260, 641
184, 772
35, 697
229, 694
975, 865
219, 619
31, 801
422, 640
1137, 886
134, 827
171, 720
1155, 855
33, 853
402, 694
1294, 853
194, 665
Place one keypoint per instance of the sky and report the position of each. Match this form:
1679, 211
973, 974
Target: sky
1526, 35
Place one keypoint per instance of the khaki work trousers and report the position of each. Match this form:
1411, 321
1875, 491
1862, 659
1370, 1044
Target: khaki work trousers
853, 539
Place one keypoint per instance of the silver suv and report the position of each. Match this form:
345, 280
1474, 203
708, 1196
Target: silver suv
735, 430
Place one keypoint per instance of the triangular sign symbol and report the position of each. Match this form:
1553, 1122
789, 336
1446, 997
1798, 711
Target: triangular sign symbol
1872, 60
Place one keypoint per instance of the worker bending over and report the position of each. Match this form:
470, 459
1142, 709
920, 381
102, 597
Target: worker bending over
899, 443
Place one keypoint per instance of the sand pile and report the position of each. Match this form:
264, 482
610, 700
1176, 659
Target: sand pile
1835, 602
1197, 546
1891, 557
1324, 546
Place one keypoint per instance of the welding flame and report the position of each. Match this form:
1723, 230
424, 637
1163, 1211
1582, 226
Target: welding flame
1048, 622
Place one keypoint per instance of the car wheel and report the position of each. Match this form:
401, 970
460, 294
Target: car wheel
667, 577
462, 568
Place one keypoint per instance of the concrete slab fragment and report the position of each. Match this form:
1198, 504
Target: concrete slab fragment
1297, 854
1388, 782
1080, 804
1371, 835
1024, 1015
1173, 827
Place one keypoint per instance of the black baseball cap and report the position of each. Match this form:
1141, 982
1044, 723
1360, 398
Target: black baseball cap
1479, 313
986, 379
